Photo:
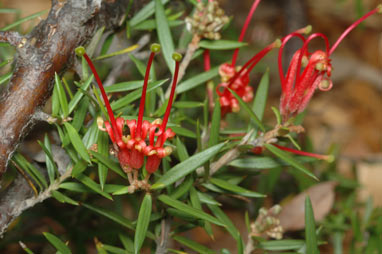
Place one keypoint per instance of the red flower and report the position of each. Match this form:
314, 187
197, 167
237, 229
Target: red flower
140, 142
308, 71
237, 78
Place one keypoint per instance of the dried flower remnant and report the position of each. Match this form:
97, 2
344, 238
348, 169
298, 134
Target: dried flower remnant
308, 71
207, 20
267, 223
145, 139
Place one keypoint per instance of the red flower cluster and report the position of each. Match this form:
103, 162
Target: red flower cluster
140, 142
237, 78
308, 71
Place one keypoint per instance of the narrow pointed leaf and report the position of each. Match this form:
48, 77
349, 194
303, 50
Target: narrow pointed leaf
215, 125
144, 13
193, 245
221, 44
164, 35
234, 188
186, 167
196, 213
20, 21
57, 243
290, 160
5, 77
111, 215
197, 80
77, 142
143, 222
63, 198
249, 111
281, 245
261, 96
61, 96
92, 185
105, 160
310, 228
78, 95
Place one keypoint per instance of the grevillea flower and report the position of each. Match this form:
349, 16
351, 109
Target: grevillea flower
145, 139
236, 78
308, 71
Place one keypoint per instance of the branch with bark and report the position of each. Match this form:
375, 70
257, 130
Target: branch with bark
48, 49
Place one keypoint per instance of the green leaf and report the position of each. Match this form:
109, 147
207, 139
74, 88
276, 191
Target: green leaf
77, 142
111, 215
75, 187
116, 53
5, 77
164, 35
79, 167
91, 135
79, 94
80, 114
103, 149
182, 131
215, 125
290, 160
193, 245
234, 188
260, 100
20, 21
31, 170
150, 24
92, 185
143, 222
221, 44
277, 114
196, 213
197, 80
195, 202
282, 245
207, 199
186, 167
181, 150
229, 226
188, 104
63, 198
50, 165
57, 243
182, 188
249, 111
310, 228
127, 86
125, 101
144, 13
266, 162
61, 96
109, 163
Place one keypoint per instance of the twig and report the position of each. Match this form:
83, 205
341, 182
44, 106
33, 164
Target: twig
162, 242
227, 157
18, 198
192, 47
13, 38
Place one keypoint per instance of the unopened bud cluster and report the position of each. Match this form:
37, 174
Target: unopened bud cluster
267, 223
207, 20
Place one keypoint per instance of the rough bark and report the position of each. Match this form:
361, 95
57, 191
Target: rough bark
49, 48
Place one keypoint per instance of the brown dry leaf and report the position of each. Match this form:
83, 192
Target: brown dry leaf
369, 176
322, 198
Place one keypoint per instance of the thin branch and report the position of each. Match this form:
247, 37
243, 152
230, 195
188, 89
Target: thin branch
162, 242
13, 38
192, 47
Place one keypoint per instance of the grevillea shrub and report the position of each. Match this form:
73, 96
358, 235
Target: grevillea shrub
150, 150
